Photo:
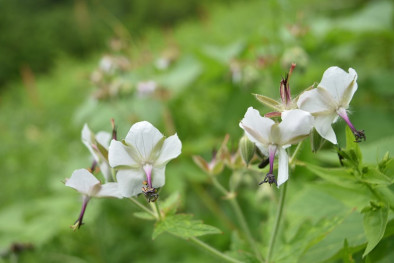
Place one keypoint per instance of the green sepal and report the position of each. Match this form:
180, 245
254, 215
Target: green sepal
267, 101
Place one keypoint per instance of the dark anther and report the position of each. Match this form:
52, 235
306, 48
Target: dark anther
269, 178
264, 163
360, 135
150, 193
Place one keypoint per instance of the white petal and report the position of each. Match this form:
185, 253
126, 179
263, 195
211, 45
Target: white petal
106, 170
103, 138
83, 181
130, 181
340, 84
171, 149
295, 125
323, 127
316, 101
257, 128
144, 137
283, 166
87, 138
158, 174
121, 155
110, 190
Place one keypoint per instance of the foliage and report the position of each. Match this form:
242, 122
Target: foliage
332, 213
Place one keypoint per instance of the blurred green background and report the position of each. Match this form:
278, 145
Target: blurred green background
206, 58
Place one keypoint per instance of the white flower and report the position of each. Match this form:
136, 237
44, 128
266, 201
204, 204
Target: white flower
273, 138
141, 158
331, 99
89, 186
98, 146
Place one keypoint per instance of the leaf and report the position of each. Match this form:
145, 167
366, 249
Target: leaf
372, 175
183, 226
375, 222
144, 216
353, 152
170, 204
339, 176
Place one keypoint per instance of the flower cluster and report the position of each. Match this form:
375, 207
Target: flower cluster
315, 108
129, 167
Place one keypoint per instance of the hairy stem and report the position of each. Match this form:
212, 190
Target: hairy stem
213, 250
135, 201
240, 217
277, 222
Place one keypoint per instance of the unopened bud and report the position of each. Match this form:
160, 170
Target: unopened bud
247, 149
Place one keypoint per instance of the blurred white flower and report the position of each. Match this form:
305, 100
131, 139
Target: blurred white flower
141, 159
98, 146
331, 99
273, 138
145, 88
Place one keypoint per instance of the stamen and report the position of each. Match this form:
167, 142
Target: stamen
359, 135
270, 178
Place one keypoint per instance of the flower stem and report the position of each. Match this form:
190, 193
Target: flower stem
296, 151
240, 217
277, 222
135, 201
213, 250
158, 211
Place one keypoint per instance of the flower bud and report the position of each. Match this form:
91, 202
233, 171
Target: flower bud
247, 149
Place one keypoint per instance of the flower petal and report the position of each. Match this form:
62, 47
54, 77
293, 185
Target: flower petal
283, 166
316, 101
103, 138
121, 155
158, 175
87, 137
130, 181
83, 181
171, 149
295, 126
144, 137
340, 84
257, 128
322, 125
110, 190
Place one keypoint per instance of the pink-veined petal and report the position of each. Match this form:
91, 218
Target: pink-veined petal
171, 149
121, 155
316, 100
110, 190
340, 84
323, 127
295, 126
130, 181
144, 137
257, 128
84, 182
283, 166
158, 174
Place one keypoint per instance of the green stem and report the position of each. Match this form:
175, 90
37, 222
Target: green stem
277, 222
296, 151
135, 201
240, 217
158, 210
213, 250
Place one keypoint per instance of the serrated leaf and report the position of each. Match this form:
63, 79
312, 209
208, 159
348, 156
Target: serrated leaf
375, 222
267, 101
144, 216
183, 226
352, 147
339, 176
372, 175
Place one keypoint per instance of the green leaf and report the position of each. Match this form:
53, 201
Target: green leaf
144, 216
338, 176
271, 103
372, 175
183, 226
352, 147
170, 204
375, 222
